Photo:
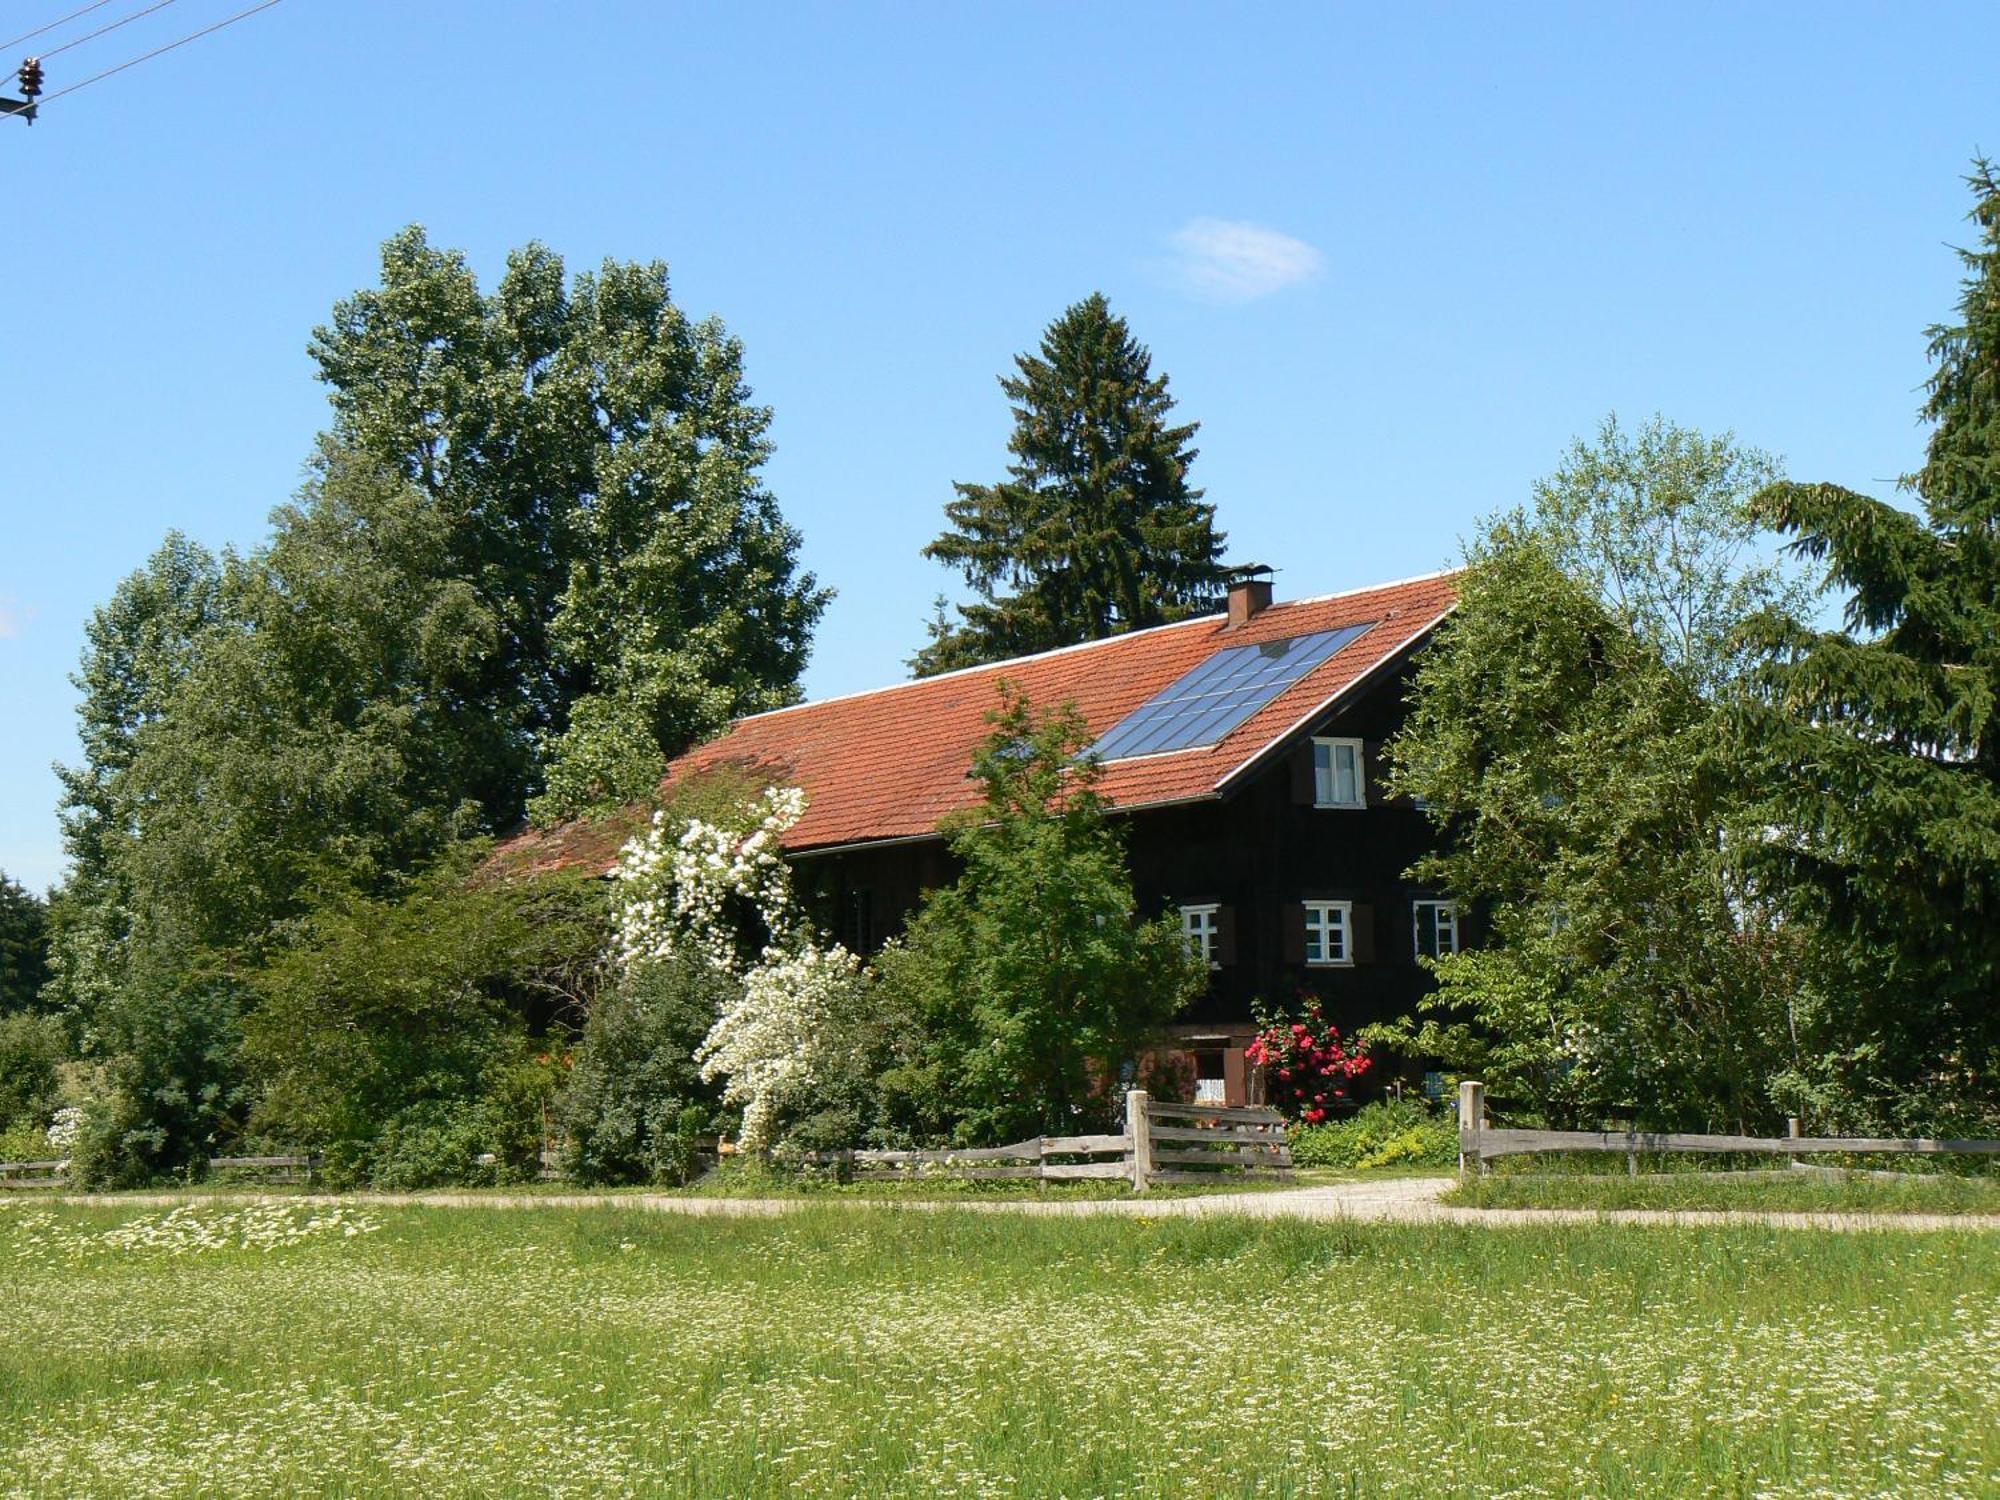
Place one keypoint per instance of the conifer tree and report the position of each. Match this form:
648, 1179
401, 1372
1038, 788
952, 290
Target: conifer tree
1096, 529
1885, 736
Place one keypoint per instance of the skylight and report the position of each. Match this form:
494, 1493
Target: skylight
1212, 699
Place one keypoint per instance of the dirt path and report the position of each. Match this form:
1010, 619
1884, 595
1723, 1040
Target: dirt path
1396, 1200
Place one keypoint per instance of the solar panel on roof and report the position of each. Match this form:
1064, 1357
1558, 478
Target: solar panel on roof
1213, 698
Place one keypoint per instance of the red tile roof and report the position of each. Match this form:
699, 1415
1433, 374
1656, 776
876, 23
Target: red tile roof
888, 764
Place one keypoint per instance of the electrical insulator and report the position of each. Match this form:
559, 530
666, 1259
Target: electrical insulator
31, 77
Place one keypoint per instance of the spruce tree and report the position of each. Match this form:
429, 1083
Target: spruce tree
1884, 737
1096, 529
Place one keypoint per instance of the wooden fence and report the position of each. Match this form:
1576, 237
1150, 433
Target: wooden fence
32, 1174
1479, 1142
1161, 1143
55, 1174
1178, 1143
1202, 1142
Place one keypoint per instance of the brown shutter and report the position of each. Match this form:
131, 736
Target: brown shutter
1375, 775
1225, 935
1363, 918
1295, 933
1302, 774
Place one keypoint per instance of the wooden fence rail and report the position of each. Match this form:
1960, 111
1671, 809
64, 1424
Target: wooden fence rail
1161, 1143
1479, 1142
1203, 1144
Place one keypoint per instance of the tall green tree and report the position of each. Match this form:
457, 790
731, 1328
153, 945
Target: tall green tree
596, 459
1568, 737
1096, 530
139, 648
1032, 977
1657, 523
1587, 803
24, 947
1884, 736
533, 557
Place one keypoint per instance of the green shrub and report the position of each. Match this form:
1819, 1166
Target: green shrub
635, 1085
166, 1091
1390, 1132
32, 1047
437, 1143
404, 1012
25, 1140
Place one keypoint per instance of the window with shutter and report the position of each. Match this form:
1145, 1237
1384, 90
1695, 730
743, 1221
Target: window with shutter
1329, 934
1200, 928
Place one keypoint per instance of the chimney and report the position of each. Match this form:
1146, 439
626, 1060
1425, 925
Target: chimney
1249, 593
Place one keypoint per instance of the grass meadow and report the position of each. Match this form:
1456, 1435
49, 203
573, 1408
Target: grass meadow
286, 1348
1782, 1192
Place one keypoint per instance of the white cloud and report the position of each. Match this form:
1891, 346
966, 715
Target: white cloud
1235, 261
13, 618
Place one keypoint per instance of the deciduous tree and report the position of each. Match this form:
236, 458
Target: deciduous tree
1033, 976
1590, 800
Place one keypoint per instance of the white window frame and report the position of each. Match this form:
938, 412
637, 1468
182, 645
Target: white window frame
1201, 929
1219, 1093
1326, 793
1324, 919
1446, 918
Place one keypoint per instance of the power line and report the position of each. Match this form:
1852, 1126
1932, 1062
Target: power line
29, 35
192, 36
121, 21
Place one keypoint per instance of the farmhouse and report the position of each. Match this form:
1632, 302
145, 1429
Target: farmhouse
1244, 748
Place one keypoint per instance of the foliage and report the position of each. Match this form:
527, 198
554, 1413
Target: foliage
32, 1048
718, 897
1658, 525
138, 649
165, 1088
1032, 977
1096, 530
1882, 739
27, 1140
378, 1006
635, 1080
1589, 805
430, 1143
1305, 1061
595, 455
532, 555
24, 947
1385, 1133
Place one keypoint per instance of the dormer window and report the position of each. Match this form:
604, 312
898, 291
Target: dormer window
1337, 774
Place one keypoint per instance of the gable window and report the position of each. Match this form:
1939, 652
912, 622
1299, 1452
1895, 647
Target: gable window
1436, 927
1329, 933
1201, 926
1337, 774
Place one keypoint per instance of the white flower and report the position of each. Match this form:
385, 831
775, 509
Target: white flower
673, 904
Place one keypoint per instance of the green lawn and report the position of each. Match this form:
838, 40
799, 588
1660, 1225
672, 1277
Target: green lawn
227, 1348
1798, 1192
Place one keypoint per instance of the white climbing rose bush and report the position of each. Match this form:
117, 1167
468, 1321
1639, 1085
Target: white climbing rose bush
674, 903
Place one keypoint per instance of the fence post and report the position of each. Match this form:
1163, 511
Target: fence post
1471, 1120
1140, 1129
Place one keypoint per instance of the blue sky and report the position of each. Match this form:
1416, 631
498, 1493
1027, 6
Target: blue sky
1393, 258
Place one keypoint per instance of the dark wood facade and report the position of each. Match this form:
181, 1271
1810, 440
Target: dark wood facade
1257, 855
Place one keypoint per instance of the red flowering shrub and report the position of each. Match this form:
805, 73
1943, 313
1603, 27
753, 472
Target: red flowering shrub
1306, 1065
